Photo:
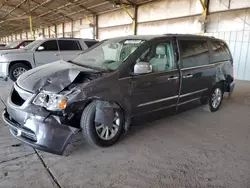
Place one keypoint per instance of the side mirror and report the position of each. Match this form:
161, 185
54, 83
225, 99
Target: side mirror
40, 48
142, 68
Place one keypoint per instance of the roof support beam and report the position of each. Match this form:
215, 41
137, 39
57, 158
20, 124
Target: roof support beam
204, 4
22, 2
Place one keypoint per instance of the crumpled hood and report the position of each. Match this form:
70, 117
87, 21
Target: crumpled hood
52, 77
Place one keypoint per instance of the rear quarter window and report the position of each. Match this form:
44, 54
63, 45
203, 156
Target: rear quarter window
194, 53
220, 51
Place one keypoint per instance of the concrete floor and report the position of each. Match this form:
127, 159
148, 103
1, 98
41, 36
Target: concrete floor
195, 148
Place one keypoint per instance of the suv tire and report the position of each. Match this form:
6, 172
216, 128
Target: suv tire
215, 100
94, 134
17, 69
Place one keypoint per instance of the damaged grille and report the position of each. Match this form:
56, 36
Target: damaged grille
16, 98
19, 96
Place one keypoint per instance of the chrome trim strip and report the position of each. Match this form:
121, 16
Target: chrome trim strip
199, 91
169, 98
151, 73
197, 67
157, 101
189, 101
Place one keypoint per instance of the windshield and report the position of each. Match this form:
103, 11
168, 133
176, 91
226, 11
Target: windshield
109, 54
13, 44
32, 44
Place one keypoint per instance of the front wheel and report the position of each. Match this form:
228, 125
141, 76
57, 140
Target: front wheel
97, 134
17, 70
215, 100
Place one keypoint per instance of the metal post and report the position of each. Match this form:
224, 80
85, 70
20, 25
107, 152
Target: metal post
72, 29
31, 24
43, 32
49, 31
96, 34
204, 4
55, 31
135, 20
63, 31
132, 18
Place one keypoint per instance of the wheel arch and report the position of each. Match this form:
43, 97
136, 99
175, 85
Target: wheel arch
20, 61
124, 111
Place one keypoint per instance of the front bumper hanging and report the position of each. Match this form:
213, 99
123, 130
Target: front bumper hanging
45, 134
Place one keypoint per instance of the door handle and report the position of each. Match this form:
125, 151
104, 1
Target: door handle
56, 54
173, 78
188, 76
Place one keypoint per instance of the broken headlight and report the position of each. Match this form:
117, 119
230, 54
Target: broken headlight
51, 101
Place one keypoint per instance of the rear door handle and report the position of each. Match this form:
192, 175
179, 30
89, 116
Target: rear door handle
173, 78
188, 76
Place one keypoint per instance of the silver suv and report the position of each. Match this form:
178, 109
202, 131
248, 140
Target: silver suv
15, 62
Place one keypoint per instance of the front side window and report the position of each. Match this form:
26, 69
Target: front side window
68, 45
109, 54
50, 45
160, 56
194, 53
220, 51
32, 45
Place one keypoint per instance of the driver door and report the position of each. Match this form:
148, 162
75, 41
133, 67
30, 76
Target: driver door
159, 89
48, 53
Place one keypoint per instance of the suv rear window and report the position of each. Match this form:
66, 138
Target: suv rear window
220, 51
194, 53
90, 43
68, 45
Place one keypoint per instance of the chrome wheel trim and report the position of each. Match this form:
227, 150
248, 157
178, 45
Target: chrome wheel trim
216, 98
104, 132
18, 71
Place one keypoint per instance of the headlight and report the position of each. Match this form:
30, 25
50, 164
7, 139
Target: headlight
51, 101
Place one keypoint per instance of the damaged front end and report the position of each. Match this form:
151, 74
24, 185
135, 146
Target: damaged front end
41, 113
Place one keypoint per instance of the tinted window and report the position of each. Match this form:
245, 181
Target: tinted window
68, 45
220, 51
194, 53
90, 43
160, 56
50, 45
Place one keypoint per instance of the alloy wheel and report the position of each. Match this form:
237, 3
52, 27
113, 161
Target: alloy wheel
18, 71
216, 97
104, 132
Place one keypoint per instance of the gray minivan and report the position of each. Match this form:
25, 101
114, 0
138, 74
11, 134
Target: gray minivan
105, 88
15, 62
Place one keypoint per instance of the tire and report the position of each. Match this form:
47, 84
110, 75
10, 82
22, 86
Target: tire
89, 129
13, 74
217, 91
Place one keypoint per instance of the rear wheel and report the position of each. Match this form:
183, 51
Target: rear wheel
17, 69
215, 100
98, 134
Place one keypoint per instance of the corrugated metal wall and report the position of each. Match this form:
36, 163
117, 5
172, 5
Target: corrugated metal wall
238, 42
